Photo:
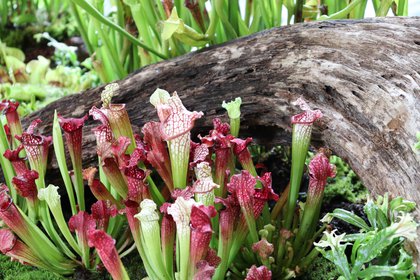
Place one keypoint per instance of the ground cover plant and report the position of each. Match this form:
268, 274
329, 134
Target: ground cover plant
375, 250
192, 210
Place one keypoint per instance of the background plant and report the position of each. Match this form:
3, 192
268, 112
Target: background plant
133, 33
122, 36
37, 83
378, 250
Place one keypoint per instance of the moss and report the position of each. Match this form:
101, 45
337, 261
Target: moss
345, 185
321, 269
16, 271
134, 266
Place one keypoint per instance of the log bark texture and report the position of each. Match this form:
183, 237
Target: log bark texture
364, 75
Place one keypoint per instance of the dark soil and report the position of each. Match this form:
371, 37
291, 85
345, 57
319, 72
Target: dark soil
341, 226
33, 50
23, 38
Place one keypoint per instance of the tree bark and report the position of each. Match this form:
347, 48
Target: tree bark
363, 74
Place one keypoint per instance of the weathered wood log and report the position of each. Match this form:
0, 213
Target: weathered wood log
364, 75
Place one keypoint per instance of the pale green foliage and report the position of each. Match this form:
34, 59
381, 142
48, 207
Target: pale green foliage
175, 27
377, 251
35, 84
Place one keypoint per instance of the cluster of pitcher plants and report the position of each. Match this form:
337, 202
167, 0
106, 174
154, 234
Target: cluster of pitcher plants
192, 210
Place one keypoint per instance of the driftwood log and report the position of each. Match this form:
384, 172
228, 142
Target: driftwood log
363, 74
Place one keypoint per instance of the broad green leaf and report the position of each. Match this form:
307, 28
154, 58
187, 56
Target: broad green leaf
371, 211
400, 204
37, 69
337, 253
402, 270
350, 218
171, 25
372, 249
175, 27
15, 52
14, 63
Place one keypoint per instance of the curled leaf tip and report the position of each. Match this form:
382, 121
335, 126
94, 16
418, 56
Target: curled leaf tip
107, 94
320, 170
233, 108
7, 240
50, 195
148, 211
258, 273
160, 96
309, 116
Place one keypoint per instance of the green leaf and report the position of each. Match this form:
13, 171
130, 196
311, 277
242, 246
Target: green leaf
400, 204
342, 13
402, 270
337, 253
6, 166
92, 11
371, 211
372, 246
37, 69
377, 213
402, 8
175, 27
14, 63
350, 218
15, 52
171, 25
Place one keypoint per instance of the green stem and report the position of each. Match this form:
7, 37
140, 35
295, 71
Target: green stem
248, 11
81, 27
6, 166
61, 160
234, 126
344, 12
96, 14
220, 9
80, 188
300, 143
307, 225
211, 30
184, 245
384, 8
299, 11
250, 221
111, 51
